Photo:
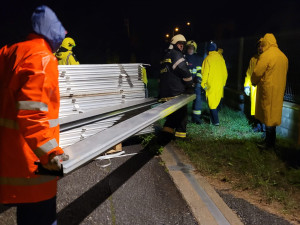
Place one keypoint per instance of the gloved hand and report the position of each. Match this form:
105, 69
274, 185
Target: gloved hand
55, 161
190, 89
247, 91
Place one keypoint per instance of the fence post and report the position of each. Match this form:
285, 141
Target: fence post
240, 63
239, 75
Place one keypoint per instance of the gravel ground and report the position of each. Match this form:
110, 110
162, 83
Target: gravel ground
250, 214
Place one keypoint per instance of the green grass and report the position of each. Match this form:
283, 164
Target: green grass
229, 153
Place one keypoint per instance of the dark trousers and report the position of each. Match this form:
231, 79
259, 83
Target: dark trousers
214, 117
39, 213
178, 120
270, 136
197, 104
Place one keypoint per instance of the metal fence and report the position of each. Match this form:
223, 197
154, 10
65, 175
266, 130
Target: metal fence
238, 52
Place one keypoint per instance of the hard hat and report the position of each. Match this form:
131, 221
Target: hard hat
192, 43
177, 38
68, 43
212, 46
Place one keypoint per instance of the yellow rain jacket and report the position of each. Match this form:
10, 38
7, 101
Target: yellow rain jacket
248, 83
214, 76
270, 77
66, 57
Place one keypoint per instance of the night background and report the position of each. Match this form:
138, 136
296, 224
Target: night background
134, 31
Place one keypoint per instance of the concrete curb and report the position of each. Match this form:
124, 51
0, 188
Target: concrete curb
206, 205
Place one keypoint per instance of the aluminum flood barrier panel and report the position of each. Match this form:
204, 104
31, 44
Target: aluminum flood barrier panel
86, 150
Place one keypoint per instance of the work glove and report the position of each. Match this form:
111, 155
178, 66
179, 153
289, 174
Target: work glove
190, 89
195, 79
55, 161
247, 91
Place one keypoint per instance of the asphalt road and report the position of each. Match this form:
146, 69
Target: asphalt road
135, 189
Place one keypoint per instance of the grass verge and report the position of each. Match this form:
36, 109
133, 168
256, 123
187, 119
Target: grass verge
229, 153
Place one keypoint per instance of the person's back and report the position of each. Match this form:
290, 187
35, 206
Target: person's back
29, 129
170, 84
65, 55
215, 70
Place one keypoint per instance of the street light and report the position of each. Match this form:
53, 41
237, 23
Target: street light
167, 35
188, 23
176, 29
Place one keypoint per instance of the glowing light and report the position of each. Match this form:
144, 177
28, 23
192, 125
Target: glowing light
188, 23
176, 29
167, 35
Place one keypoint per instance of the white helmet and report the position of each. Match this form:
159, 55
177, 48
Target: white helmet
178, 37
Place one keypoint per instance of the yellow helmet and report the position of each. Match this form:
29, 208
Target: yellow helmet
68, 43
192, 43
176, 38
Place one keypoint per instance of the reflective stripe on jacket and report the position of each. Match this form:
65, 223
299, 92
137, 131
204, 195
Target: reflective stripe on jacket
29, 129
174, 74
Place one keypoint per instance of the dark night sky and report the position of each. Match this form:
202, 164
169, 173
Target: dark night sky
98, 28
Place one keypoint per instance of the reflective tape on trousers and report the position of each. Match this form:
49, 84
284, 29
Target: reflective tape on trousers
8, 123
180, 134
32, 105
197, 112
177, 63
45, 148
24, 181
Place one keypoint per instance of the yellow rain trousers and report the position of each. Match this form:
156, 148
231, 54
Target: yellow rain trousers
214, 76
270, 77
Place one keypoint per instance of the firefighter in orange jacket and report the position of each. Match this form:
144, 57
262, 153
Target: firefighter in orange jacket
29, 129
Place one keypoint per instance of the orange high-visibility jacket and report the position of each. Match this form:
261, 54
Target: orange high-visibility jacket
29, 129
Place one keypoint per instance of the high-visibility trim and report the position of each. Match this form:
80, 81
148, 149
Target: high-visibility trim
164, 70
187, 79
198, 67
168, 130
53, 123
167, 61
197, 112
177, 63
199, 75
194, 72
45, 148
9, 123
32, 105
24, 181
180, 134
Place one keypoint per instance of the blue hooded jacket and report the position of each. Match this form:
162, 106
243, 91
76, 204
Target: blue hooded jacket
45, 23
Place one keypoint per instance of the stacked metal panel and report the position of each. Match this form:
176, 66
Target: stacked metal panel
88, 87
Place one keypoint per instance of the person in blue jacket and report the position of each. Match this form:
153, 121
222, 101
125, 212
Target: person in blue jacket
194, 64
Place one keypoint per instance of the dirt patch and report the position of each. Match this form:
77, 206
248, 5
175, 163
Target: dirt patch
255, 198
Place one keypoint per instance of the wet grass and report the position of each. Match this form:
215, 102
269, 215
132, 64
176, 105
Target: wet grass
229, 153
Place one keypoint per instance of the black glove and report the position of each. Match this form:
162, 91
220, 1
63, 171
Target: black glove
196, 79
190, 89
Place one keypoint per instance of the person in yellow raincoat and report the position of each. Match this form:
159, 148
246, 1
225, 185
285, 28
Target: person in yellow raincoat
250, 90
64, 54
270, 77
214, 76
